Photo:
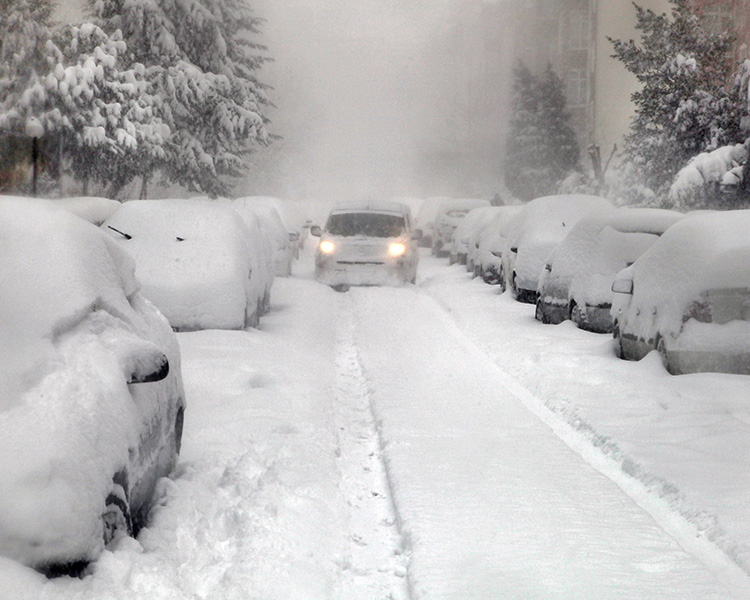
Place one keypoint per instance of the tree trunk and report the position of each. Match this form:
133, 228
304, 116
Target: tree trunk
144, 188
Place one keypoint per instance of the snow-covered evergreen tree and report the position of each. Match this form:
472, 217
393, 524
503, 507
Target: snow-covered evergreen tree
542, 149
24, 32
683, 107
200, 60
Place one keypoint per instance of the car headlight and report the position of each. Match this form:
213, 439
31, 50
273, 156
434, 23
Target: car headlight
396, 249
326, 247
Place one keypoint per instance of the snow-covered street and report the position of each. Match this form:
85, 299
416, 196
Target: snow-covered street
434, 442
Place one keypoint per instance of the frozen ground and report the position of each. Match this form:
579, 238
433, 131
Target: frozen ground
522, 460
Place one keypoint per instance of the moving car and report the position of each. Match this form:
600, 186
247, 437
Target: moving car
193, 260
578, 277
533, 234
688, 296
91, 393
367, 243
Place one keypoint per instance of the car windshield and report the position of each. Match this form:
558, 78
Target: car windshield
365, 223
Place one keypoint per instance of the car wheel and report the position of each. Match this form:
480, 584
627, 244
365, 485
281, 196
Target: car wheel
117, 519
575, 314
661, 348
539, 314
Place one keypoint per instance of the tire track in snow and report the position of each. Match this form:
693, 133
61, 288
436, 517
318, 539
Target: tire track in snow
375, 566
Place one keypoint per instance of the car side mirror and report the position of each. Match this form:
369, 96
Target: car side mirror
315, 230
548, 267
623, 286
293, 236
141, 361
514, 249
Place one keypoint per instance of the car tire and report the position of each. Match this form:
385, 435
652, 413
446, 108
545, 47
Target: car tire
539, 313
575, 315
117, 519
661, 348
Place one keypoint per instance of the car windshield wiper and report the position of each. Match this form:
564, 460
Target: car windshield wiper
127, 236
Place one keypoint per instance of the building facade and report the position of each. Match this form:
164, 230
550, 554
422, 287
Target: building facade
573, 35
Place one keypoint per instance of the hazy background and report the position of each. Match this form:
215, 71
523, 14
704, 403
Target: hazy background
383, 98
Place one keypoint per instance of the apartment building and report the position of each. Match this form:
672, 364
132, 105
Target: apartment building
574, 36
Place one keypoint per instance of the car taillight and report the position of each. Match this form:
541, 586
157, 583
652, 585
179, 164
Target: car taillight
700, 310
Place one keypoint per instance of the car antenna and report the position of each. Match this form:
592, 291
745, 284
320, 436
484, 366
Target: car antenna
127, 236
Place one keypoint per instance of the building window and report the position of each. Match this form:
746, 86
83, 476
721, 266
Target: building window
579, 30
578, 87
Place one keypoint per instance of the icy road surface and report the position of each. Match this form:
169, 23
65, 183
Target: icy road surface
434, 442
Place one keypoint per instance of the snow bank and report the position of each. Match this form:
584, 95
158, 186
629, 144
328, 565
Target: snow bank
192, 260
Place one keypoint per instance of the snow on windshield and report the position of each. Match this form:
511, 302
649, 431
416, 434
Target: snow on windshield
366, 223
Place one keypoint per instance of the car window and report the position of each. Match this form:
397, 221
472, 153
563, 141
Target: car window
369, 224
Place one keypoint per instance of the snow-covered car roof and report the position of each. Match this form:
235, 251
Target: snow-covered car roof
544, 223
191, 258
384, 206
701, 252
462, 204
48, 295
596, 243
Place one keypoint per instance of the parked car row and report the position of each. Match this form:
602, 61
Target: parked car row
655, 279
205, 264
91, 394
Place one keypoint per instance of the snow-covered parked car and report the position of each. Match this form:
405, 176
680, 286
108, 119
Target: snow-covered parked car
474, 220
688, 296
450, 214
193, 260
367, 243
91, 394
425, 219
488, 246
577, 281
533, 234
284, 248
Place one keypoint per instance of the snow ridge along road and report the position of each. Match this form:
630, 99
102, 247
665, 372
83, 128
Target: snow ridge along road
376, 565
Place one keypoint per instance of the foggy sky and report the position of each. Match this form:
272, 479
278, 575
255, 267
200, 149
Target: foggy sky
360, 97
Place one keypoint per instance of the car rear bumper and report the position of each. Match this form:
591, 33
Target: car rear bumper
701, 361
